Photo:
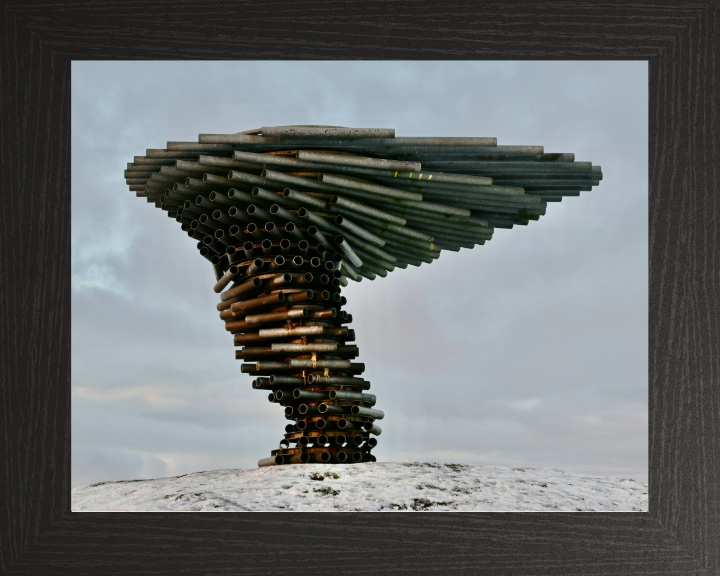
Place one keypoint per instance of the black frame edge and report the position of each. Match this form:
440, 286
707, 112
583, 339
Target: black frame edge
680, 533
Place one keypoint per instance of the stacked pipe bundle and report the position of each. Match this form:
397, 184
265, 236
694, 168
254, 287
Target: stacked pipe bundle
288, 215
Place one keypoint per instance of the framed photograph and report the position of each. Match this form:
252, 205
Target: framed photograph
42, 49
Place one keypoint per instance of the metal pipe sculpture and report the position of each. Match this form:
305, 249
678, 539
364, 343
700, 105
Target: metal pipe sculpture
289, 215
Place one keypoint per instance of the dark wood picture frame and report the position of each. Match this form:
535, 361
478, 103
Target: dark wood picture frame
681, 532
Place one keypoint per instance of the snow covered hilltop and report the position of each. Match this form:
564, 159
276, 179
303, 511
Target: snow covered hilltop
368, 487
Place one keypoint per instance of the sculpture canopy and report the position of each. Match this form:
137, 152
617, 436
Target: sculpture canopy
378, 200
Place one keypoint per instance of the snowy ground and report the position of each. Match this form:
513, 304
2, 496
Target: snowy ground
385, 486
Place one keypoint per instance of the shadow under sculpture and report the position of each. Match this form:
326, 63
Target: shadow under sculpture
289, 215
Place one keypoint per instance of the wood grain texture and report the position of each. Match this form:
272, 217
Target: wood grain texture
681, 532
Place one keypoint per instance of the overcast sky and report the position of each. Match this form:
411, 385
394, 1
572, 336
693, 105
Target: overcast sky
529, 351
